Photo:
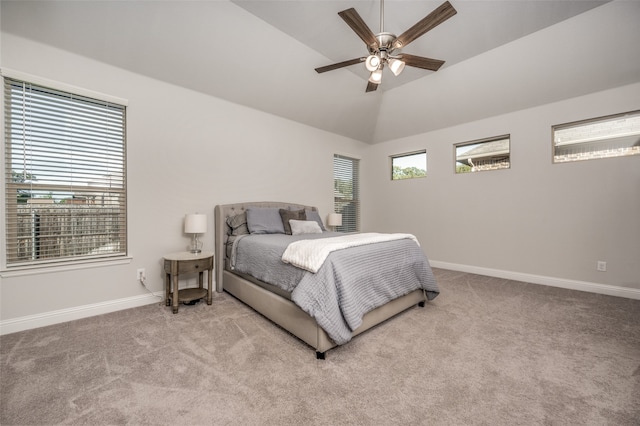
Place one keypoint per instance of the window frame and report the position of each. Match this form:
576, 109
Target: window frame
592, 154
409, 154
506, 136
16, 266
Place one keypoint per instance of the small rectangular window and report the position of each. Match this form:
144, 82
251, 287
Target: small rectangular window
604, 137
408, 166
483, 154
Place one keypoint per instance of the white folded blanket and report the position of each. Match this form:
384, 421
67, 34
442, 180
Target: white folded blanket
311, 254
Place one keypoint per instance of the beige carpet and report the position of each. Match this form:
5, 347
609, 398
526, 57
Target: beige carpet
486, 351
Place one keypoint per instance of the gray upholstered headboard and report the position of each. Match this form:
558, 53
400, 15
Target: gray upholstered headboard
222, 212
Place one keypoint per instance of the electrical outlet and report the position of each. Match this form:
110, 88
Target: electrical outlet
602, 266
141, 275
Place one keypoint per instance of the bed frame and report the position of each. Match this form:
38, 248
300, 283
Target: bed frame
278, 309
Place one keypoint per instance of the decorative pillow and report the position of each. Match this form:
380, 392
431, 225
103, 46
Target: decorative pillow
314, 215
238, 224
229, 245
287, 215
264, 220
304, 227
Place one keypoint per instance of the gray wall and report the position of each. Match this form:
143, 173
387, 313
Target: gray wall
186, 152
536, 218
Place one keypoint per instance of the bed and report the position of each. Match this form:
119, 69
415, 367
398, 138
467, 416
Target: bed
274, 300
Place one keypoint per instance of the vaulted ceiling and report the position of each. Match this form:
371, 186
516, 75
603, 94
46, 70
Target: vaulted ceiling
500, 55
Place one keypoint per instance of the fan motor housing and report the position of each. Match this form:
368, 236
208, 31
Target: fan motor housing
385, 43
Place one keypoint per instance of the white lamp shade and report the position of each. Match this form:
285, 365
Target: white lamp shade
376, 77
372, 63
334, 219
396, 66
195, 223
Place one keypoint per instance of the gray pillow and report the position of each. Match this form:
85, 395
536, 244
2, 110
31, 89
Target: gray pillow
287, 215
305, 227
314, 215
238, 224
229, 245
264, 220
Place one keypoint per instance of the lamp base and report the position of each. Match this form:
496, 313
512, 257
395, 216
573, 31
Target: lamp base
195, 246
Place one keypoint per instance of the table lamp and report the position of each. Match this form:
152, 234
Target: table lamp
195, 224
334, 220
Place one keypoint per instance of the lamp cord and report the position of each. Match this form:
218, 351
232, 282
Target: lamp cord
143, 281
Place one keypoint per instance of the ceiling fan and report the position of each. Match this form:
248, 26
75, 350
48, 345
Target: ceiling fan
385, 48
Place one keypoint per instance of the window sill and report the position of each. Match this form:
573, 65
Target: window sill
67, 266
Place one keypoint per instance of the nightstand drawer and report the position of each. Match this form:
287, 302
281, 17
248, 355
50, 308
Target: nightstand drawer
195, 265
186, 266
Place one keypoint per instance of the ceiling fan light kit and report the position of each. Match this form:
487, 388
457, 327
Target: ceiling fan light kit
384, 48
396, 66
376, 76
372, 63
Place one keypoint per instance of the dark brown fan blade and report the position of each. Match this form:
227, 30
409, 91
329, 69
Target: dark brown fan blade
421, 62
340, 65
371, 87
432, 20
353, 19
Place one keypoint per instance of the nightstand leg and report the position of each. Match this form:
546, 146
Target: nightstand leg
167, 289
176, 294
210, 282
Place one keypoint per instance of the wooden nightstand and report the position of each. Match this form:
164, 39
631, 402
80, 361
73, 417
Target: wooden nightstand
182, 263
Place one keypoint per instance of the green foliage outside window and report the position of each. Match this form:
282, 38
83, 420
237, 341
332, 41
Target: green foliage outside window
409, 166
407, 172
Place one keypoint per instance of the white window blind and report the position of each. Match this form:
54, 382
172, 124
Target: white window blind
346, 188
65, 176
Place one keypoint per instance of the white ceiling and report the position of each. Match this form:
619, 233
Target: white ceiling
262, 54
478, 26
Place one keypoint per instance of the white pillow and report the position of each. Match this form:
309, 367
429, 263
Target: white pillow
304, 227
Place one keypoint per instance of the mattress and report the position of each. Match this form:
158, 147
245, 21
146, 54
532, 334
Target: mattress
350, 283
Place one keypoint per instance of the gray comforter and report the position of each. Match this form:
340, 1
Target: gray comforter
350, 283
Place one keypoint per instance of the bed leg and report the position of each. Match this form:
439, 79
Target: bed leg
421, 304
319, 355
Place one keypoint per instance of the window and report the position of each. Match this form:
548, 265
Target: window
346, 192
65, 182
603, 137
409, 166
483, 154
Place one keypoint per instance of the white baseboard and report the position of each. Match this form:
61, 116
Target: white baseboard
64, 315
49, 318
610, 290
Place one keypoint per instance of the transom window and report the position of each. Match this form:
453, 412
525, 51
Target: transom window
604, 137
483, 154
409, 166
65, 176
